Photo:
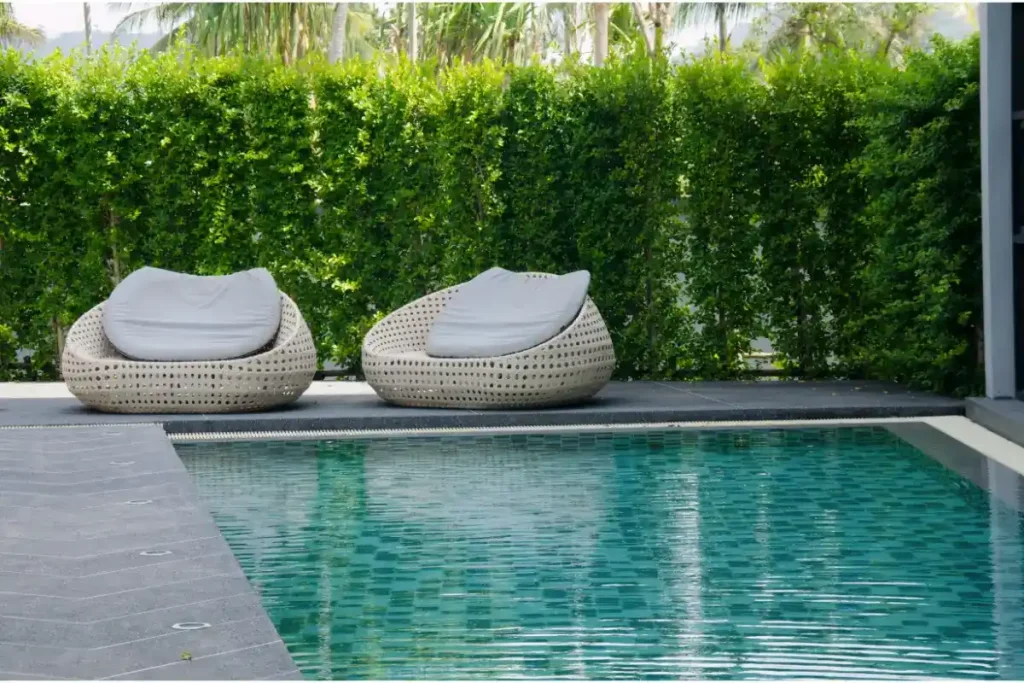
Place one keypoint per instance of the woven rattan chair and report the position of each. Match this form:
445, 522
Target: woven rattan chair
569, 368
103, 379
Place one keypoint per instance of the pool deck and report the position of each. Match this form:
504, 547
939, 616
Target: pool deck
105, 546
353, 405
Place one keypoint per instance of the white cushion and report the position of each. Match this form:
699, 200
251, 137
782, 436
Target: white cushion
499, 312
159, 315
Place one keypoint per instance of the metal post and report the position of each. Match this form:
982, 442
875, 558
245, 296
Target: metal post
997, 198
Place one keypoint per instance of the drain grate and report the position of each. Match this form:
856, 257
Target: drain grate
105, 425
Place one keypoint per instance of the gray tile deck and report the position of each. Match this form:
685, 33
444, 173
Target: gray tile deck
79, 599
620, 402
104, 545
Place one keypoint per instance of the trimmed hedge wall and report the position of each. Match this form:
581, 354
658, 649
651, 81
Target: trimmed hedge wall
831, 205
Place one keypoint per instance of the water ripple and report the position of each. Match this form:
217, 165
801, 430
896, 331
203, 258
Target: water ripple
826, 554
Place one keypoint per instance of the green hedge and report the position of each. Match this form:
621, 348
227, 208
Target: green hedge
830, 205
922, 282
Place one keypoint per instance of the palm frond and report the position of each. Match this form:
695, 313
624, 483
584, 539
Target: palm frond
13, 31
166, 15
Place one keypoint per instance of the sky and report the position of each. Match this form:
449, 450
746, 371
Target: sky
55, 18
65, 17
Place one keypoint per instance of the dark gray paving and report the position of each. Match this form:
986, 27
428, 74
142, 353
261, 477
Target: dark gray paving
620, 402
103, 550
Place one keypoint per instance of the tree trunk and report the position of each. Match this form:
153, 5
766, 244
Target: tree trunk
271, 45
887, 45
339, 33
87, 14
600, 33
535, 31
568, 34
659, 17
641, 21
577, 21
247, 27
412, 27
723, 27
58, 331
294, 28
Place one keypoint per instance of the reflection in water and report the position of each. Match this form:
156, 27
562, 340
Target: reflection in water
266, 508
1008, 569
839, 553
487, 534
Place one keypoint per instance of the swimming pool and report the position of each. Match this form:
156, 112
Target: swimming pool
680, 554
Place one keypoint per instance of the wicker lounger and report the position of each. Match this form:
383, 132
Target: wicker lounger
104, 379
571, 367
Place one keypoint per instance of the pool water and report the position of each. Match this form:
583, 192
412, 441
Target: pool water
723, 554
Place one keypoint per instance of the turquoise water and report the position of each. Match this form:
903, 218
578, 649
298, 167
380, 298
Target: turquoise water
798, 553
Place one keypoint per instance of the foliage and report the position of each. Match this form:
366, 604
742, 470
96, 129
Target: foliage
519, 33
13, 32
718, 104
922, 283
886, 30
510, 32
808, 203
621, 190
381, 242
829, 204
288, 30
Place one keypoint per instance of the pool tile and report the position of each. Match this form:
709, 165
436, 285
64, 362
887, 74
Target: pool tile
729, 554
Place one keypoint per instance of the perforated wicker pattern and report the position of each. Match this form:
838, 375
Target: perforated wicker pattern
104, 379
568, 368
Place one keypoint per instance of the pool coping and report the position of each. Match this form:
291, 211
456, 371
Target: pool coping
75, 595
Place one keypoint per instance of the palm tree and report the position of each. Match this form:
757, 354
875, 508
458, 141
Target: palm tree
814, 26
721, 13
884, 29
896, 27
13, 32
285, 30
571, 21
601, 15
968, 12
87, 15
412, 30
506, 31
655, 22
339, 24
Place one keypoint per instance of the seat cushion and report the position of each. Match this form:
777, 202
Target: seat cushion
160, 315
500, 312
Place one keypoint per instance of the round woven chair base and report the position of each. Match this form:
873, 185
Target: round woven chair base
568, 369
105, 380
466, 398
